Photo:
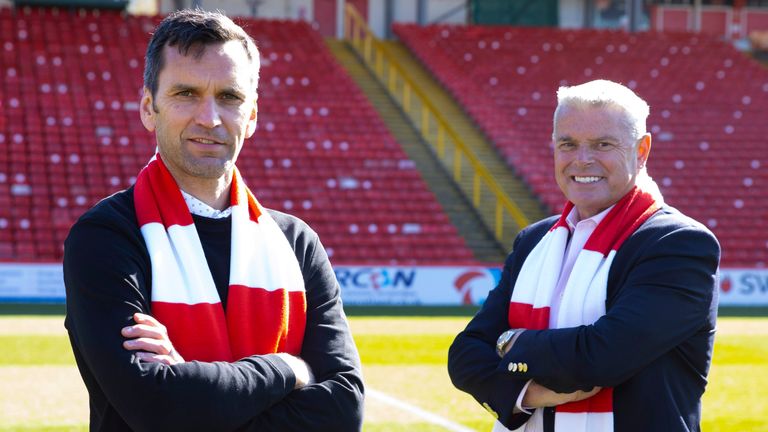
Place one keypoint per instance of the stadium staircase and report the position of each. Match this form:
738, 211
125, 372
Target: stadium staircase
495, 193
469, 132
708, 104
461, 213
70, 135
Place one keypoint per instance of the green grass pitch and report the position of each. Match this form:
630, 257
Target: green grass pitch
403, 355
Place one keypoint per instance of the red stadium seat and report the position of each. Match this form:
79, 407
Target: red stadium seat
320, 151
708, 105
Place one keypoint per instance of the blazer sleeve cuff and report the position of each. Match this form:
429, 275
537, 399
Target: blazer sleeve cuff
500, 401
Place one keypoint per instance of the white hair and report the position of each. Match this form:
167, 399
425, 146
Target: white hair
606, 93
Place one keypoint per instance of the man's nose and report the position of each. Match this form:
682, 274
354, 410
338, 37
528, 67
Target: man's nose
208, 113
585, 155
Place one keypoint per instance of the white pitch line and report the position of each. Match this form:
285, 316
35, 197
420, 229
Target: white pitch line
413, 409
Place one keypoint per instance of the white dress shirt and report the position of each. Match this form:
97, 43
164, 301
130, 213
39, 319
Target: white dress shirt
199, 208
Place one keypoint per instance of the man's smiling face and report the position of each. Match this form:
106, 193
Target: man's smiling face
596, 156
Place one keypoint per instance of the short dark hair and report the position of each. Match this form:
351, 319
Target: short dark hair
193, 29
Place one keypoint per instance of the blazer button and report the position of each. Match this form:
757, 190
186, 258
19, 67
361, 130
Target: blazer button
512, 367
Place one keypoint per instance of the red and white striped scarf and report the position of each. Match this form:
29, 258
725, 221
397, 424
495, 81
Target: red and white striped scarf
266, 304
584, 295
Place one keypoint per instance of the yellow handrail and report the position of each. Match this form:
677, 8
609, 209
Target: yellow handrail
434, 128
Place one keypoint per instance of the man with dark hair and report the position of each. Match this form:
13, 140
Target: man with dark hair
604, 316
189, 305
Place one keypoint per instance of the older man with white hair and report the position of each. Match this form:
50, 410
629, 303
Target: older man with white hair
604, 317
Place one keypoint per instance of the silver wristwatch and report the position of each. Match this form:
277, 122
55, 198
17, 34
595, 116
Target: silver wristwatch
502, 343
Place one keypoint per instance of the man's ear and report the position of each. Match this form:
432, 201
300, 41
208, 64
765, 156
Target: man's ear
250, 128
147, 110
643, 150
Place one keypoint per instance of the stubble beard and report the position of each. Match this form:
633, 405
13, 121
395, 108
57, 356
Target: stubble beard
206, 167
178, 158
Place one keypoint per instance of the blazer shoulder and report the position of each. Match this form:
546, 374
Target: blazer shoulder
531, 234
527, 239
669, 219
670, 231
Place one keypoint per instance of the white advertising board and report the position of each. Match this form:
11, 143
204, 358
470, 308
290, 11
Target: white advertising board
744, 287
31, 283
378, 285
360, 285
415, 285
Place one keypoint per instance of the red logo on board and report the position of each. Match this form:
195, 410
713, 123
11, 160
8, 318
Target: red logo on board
726, 285
464, 286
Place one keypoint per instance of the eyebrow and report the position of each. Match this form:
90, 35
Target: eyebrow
598, 139
606, 138
180, 87
187, 87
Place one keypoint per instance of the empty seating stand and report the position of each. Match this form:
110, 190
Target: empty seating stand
70, 135
708, 112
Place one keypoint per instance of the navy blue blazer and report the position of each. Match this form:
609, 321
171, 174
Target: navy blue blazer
653, 345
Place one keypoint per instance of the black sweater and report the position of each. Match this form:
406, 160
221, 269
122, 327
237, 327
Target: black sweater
107, 278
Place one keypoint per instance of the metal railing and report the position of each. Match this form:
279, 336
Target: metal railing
498, 211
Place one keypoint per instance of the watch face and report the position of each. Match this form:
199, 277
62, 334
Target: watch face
503, 340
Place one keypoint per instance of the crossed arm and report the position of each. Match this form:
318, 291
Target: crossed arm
538, 396
149, 339
475, 367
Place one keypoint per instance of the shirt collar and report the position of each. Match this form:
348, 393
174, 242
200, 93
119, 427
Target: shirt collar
199, 208
573, 217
